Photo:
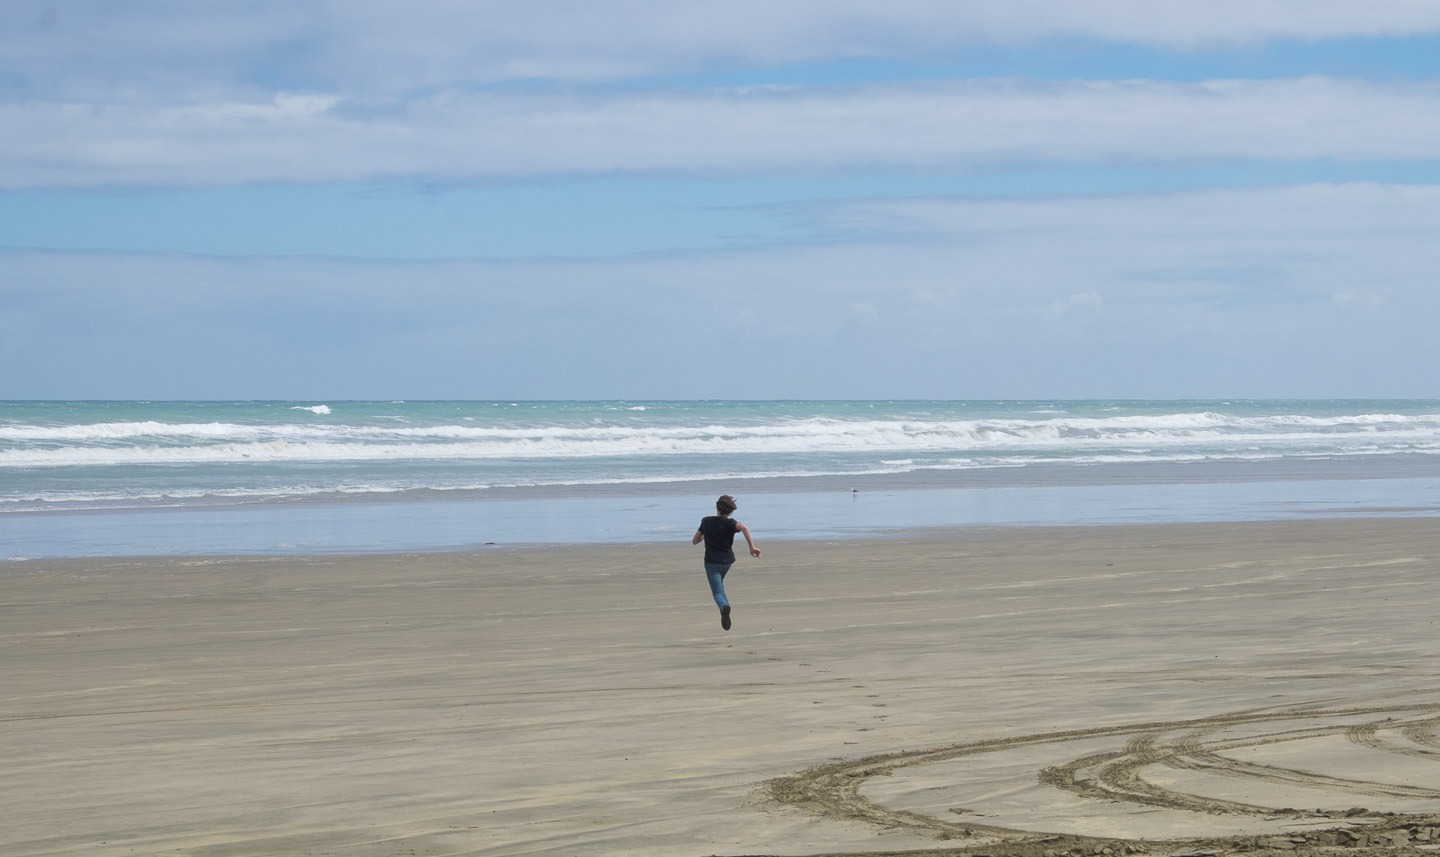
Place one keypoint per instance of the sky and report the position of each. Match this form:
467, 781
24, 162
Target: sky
788, 199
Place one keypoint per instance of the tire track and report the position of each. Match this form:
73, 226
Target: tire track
834, 789
1209, 761
1416, 731
1424, 733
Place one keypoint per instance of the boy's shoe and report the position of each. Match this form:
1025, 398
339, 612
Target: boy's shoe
725, 617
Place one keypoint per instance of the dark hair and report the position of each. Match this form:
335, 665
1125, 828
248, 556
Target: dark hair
725, 505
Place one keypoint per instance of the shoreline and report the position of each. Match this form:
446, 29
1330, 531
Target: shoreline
439, 526
907, 537
584, 700
1057, 474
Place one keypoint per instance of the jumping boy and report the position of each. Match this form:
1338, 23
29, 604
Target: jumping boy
718, 532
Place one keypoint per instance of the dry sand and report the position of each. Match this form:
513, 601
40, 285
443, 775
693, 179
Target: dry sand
969, 691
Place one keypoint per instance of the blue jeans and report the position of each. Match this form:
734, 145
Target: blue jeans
715, 572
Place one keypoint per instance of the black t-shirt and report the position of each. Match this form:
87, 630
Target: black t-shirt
719, 535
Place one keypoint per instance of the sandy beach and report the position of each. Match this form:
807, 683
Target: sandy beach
1166, 689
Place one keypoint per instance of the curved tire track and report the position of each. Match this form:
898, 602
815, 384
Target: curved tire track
834, 789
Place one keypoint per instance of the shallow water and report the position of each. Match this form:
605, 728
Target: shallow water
427, 526
140, 478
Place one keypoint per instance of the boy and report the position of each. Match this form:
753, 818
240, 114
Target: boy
718, 532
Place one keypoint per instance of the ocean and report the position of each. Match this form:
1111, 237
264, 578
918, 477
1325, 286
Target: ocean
167, 478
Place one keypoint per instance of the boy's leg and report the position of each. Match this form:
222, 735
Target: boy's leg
715, 573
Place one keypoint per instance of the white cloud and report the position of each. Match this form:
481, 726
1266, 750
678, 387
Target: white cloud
1358, 300
386, 46
863, 311
796, 130
1298, 246
1087, 301
1328, 213
1308, 291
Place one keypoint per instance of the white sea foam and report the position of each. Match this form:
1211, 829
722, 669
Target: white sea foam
414, 450
280, 452
152, 442
104, 432
292, 491
859, 432
151, 456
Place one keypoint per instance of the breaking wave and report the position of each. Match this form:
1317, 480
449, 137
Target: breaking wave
1210, 433
118, 455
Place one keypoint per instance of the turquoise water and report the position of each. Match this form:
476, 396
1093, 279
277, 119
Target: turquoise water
76, 477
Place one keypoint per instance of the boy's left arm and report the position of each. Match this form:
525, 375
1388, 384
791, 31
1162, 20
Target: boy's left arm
754, 551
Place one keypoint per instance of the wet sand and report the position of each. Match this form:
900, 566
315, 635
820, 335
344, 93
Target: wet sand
967, 690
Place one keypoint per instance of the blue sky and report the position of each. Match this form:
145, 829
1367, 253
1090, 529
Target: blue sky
637, 199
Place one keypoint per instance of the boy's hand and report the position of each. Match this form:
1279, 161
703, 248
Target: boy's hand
755, 552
